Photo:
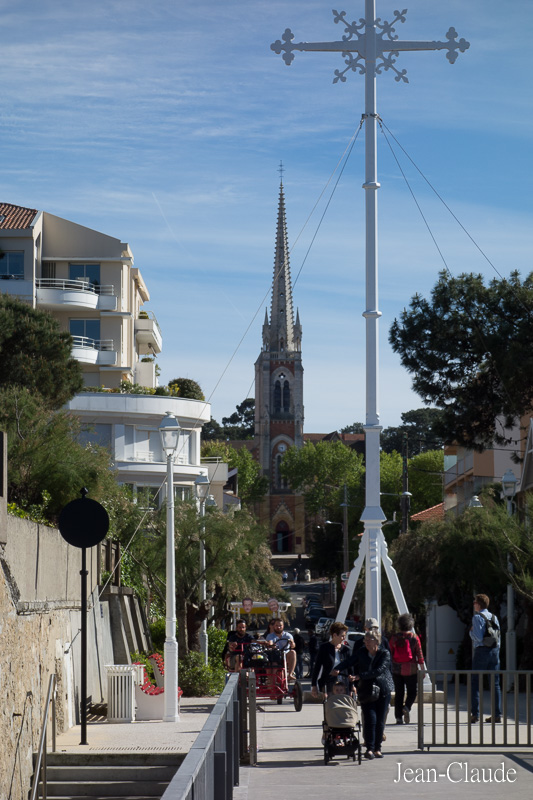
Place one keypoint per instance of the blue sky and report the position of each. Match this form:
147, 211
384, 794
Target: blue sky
163, 124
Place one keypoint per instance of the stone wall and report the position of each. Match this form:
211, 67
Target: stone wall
39, 635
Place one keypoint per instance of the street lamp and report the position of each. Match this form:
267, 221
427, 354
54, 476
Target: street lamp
169, 431
475, 502
509, 486
201, 487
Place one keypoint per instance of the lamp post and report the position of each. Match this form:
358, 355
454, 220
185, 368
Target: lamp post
509, 486
169, 431
201, 487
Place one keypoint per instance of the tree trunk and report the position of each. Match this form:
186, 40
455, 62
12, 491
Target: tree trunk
181, 614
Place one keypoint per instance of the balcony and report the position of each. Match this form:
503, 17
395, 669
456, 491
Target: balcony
56, 293
148, 334
100, 352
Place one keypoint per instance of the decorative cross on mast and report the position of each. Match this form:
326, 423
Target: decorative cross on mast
369, 47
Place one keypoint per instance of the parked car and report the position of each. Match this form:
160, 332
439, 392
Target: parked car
352, 637
322, 627
311, 596
313, 614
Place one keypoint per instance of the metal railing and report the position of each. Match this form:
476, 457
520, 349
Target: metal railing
39, 771
445, 720
78, 285
151, 316
248, 718
92, 344
211, 767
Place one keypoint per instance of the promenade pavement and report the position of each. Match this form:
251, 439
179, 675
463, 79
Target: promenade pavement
154, 736
291, 766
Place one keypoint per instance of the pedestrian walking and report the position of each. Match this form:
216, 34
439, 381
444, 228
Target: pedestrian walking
485, 635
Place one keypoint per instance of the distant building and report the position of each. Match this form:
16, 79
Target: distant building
88, 282
467, 472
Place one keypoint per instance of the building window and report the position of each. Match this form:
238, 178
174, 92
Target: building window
286, 396
97, 433
12, 266
85, 328
85, 272
277, 397
147, 497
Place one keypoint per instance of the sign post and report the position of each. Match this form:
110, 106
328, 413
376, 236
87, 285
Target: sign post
83, 523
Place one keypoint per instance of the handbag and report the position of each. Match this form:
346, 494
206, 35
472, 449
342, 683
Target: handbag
369, 693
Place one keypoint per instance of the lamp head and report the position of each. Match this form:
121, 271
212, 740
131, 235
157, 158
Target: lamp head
169, 431
201, 487
509, 484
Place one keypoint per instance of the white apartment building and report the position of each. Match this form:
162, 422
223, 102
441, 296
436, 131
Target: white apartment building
88, 282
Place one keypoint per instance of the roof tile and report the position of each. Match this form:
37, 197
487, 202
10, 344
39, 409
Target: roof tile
16, 217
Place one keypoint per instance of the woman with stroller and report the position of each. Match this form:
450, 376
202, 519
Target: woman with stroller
329, 655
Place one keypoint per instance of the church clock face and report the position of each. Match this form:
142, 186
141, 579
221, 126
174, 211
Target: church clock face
282, 448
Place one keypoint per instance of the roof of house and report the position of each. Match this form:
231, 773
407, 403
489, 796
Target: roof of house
335, 436
429, 514
16, 217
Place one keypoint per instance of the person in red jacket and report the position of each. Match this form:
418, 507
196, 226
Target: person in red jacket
407, 658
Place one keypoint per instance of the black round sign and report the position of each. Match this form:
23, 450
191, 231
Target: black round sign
83, 522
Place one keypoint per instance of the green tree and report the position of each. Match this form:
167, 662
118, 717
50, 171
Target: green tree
470, 351
252, 486
186, 387
319, 471
238, 563
461, 555
44, 455
212, 431
36, 354
355, 427
241, 424
425, 479
419, 426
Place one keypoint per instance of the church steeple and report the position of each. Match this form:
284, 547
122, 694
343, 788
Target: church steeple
281, 330
279, 408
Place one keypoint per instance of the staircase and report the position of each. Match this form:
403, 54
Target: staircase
109, 776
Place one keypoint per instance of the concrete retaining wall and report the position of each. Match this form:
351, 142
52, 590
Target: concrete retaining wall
39, 634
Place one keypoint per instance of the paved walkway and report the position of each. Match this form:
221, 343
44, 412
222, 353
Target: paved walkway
291, 765
142, 737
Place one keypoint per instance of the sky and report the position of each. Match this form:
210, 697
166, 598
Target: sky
164, 125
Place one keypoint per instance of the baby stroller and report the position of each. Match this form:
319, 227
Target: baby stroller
341, 741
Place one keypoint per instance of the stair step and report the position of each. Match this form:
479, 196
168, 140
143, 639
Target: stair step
115, 759
106, 789
110, 772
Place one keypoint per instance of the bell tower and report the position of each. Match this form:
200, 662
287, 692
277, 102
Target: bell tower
279, 411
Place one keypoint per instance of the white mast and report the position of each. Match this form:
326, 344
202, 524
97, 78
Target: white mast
369, 47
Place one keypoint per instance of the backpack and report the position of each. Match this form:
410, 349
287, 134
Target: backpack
402, 649
491, 637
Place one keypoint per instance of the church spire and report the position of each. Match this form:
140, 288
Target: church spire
281, 335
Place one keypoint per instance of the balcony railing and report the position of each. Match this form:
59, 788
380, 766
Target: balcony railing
92, 344
157, 458
74, 286
150, 315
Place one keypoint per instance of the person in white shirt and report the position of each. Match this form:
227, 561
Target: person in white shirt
287, 646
